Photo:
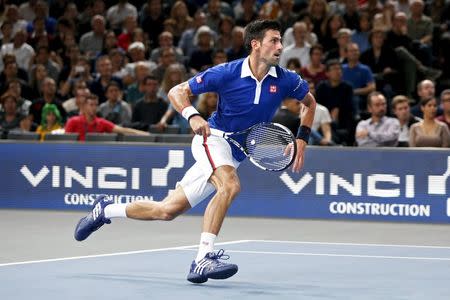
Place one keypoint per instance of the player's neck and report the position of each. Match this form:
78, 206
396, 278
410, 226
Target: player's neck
259, 69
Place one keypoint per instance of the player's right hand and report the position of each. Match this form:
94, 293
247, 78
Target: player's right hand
199, 126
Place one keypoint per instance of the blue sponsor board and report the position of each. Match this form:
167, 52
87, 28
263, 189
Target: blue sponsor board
335, 183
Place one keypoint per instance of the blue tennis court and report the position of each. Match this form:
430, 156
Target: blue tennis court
268, 270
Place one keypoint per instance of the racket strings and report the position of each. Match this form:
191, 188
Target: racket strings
270, 146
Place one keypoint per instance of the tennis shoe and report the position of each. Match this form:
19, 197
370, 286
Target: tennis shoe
211, 267
94, 220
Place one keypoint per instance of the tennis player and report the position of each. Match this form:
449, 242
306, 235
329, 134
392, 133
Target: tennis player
250, 91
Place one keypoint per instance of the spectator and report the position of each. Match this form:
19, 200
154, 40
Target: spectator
237, 49
39, 34
213, 15
104, 77
109, 43
152, 20
118, 61
136, 52
330, 31
26, 10
225, 36
11, 73
286, 16
429, 132
316, 70
12, 16
340, 53
351, 15
359, 76
91, 43
89, 122
51, 120
401, 109
219, 57
420, 29
38, 74
9, 117
14, 87
289, 115
43, 58
179, 13
321, 133
201, 57
299, 49
48, 96
41, 11
248, 13
81, 71
136, 91
6, 33
378, 130
165, 60
207, 104
311, 37
336, 95
116, 14
293, 64
186, 42
166, 41
23, 51
151, 108
125, 38
318, 10
361, 34
445, 102
175, 74
425, 90
73, 105
115, 109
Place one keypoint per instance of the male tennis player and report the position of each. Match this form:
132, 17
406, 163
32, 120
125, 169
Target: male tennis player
250, 91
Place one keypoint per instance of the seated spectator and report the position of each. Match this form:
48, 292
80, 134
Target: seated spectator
200, 58
426, 89
207, 104
289, 115
43, 57
175, 74
165, 60
316, 70
37, 76
311, 37
72, 106
361, 34
91, 42
6, 33
166, 41
152, 19
9, 117
359, 76
136, 91
51, 120
14, 88
116, 14
401, 109
104, 78
330, 31
23, 51
336, 95
429, 132
378, 130
11, 73
115, 109
340, 53
299, 49
321, 133
420, 29
129, 25
48, 96
89, 122
445, 102
237, 49
151, 108
136, 51
80, 71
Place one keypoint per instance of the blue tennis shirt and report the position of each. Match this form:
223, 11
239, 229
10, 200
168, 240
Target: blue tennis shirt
243, 100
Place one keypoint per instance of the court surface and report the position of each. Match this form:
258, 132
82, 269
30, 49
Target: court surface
277, 259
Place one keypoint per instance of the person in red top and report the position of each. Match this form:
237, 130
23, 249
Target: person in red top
88, 121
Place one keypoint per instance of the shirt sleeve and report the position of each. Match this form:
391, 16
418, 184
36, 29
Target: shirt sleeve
70, 126
298, 88
208, 80
106, 125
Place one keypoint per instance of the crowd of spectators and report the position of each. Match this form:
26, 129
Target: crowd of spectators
380, 70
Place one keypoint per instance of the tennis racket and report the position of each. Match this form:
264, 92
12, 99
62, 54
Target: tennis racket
269, 146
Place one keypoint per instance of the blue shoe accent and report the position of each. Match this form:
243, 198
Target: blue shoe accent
211, 267
94, 220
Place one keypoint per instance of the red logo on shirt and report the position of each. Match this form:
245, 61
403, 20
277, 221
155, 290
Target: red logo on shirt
273, 88
198, 79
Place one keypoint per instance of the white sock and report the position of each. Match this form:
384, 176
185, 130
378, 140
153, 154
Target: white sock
116, 211
206, 245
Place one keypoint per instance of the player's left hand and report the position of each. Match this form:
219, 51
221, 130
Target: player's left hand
300, 156
200, 126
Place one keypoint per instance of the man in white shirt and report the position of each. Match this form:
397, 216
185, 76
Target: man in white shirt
300, 49
116, 14
23, 51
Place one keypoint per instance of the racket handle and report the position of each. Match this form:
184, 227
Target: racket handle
217, 132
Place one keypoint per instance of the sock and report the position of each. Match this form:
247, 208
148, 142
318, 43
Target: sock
206, 245
116, 211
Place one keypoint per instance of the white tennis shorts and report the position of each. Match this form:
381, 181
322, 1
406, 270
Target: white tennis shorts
209, 153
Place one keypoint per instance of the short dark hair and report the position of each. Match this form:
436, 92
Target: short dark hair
316, 47
113, 83
150, 77
256, 31
425, 101
332, 62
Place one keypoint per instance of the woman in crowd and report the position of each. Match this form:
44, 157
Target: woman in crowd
51, 120
429, 132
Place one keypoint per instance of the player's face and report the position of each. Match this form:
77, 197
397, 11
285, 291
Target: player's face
271, 47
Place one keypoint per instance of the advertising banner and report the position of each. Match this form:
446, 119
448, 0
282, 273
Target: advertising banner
336, 183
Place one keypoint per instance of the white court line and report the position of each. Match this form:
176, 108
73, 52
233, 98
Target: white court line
334, 255
114, 254
351, 244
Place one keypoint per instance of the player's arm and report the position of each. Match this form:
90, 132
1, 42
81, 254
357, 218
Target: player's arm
128, 131
179, 96
307, 117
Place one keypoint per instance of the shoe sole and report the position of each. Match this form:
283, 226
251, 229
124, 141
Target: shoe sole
224, 274
197, 279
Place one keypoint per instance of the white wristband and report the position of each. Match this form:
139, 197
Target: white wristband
188, 112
